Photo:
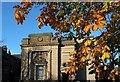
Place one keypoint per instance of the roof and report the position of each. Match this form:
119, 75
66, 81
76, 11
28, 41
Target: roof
41, 34
17, 55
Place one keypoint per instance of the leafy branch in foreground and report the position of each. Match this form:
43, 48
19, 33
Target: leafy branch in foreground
81, 18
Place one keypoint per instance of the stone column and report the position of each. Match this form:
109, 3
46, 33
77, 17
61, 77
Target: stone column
54, 63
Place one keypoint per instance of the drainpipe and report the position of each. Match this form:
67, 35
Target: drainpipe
59, 59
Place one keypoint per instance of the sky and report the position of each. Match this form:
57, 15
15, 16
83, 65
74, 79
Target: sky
12, 34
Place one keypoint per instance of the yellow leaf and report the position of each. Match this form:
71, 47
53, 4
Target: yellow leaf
103, 51
96, 42
72, 53
73, 23
116, 73
109, 34
88, 42
103, 10
105, 67
113, 78
78, 22
88, 48
105, 56
113, 71
106, 47
87, 27
76, 68
105, 6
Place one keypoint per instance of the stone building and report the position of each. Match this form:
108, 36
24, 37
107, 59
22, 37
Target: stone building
10, 66
41, 59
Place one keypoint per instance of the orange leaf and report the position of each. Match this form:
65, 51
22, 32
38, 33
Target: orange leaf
83, 59
95, 27
87, 27
98, 69
66, 71
96, 52
103, 22
101, 18
101, 25
98, 16
85, 50
40, 24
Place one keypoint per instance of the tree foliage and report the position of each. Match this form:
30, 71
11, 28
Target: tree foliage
81, 18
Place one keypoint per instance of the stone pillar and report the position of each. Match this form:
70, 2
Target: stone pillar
49, 65
24, 64
54, 63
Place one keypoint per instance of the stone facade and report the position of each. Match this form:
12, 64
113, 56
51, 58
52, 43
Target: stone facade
42, 50
41, 59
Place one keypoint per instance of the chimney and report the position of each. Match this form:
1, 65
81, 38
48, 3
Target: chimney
4, 49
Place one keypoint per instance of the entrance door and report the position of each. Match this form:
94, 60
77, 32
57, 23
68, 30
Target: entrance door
40, 72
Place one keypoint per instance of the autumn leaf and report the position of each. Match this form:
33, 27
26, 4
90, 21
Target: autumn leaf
72, 69
107, 48
83, 59
105, 67
103, 51
116, 72
99, 22
96, 42
88, 42
98, 69
73, 24
95, 27
72, 53
85, 50
105, 56
96, 52
78, 23
87, 28
113, 78
39, 18
40, 24
76, 68
66, 70
16, 16
106, 6
81, 17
